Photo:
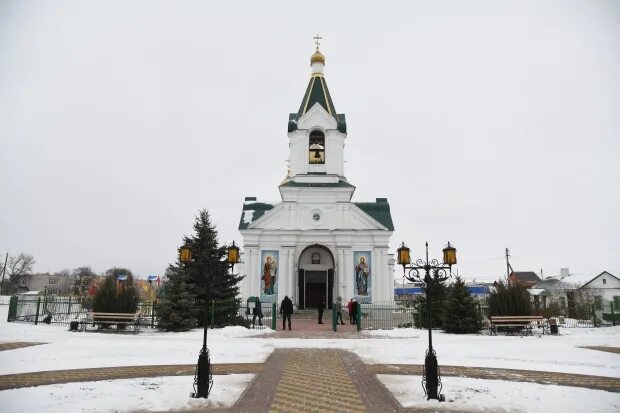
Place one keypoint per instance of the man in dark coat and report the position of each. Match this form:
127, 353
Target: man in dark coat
321, 309
257, 312
286, 309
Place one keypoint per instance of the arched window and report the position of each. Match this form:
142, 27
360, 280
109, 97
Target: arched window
316, 152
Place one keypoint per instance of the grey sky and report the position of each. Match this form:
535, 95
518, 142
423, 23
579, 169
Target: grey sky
491, 124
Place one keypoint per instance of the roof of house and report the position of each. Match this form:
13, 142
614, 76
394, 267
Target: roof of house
552, 284
606, 273
525, 276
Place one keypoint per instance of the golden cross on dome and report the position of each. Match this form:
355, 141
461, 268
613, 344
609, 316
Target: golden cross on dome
316, 41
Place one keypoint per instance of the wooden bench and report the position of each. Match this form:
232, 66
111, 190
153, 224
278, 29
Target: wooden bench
518, 323
118, 319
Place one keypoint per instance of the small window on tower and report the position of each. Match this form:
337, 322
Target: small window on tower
317, 147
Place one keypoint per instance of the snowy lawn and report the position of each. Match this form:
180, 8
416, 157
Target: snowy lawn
69, 350
477, 395
127, 395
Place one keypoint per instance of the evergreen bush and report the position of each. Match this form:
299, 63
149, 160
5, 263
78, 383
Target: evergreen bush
176, 309
509, 299
438, 297
461, 314
114, 296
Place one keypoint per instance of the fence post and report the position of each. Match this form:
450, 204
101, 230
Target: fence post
613, 316
594, 314
212, 313
69, 306
358, 316
153, 304
274, 314
36, 318
12, 309
334, 323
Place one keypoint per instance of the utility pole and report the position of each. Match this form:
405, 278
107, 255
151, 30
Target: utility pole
6, 257
508, 266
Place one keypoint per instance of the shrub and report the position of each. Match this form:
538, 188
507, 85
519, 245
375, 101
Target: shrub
461, 314
509, 300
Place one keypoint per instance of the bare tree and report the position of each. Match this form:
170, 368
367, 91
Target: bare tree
82, 278
18, 267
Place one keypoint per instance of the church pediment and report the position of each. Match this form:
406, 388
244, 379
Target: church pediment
317, 116
313, 216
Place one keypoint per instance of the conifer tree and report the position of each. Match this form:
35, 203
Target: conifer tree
208, 270
509, 299
461, 314
176, 310
437, 292
114, 296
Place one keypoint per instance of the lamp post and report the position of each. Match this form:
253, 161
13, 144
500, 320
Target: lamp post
434, 273
204, 378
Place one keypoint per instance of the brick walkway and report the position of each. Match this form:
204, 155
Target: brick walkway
16, 344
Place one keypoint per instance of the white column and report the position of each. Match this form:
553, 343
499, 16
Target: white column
340, 282
283, 272
377, 276
255, 273
347, 274
292, 268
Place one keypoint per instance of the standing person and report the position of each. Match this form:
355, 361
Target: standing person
350, 310
286, 309
353, 311
257, 312
339, 310
321, 309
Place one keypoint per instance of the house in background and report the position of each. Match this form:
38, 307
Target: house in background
56, 284
526, 279
552, 290
605, 287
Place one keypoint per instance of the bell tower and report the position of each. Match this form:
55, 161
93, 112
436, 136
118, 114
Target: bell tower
316, 132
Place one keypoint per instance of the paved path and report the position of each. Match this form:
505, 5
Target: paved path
17, 344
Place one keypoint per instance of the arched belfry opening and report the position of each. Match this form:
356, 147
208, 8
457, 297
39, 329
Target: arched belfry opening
316, 150
316, 276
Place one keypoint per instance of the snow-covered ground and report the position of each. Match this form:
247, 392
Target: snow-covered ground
477, 395
68, 350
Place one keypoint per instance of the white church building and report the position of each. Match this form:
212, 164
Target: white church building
317, 243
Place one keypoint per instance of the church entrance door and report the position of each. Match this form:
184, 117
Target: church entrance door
315, 278
316, 288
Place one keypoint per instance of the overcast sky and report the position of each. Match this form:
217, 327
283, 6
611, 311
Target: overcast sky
491, 124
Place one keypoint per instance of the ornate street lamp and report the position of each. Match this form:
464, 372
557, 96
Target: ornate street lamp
434, 273
204, 377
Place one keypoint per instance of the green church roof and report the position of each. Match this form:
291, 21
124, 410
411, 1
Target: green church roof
339, 184
317, 92
379, 210
252, 210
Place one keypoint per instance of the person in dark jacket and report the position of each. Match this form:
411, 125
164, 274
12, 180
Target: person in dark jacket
257, 312
286, 309
321, 309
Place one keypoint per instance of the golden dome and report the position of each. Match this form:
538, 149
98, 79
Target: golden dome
317, 57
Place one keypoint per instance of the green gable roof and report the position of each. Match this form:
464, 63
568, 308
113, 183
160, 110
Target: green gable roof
379, 210
252, 210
